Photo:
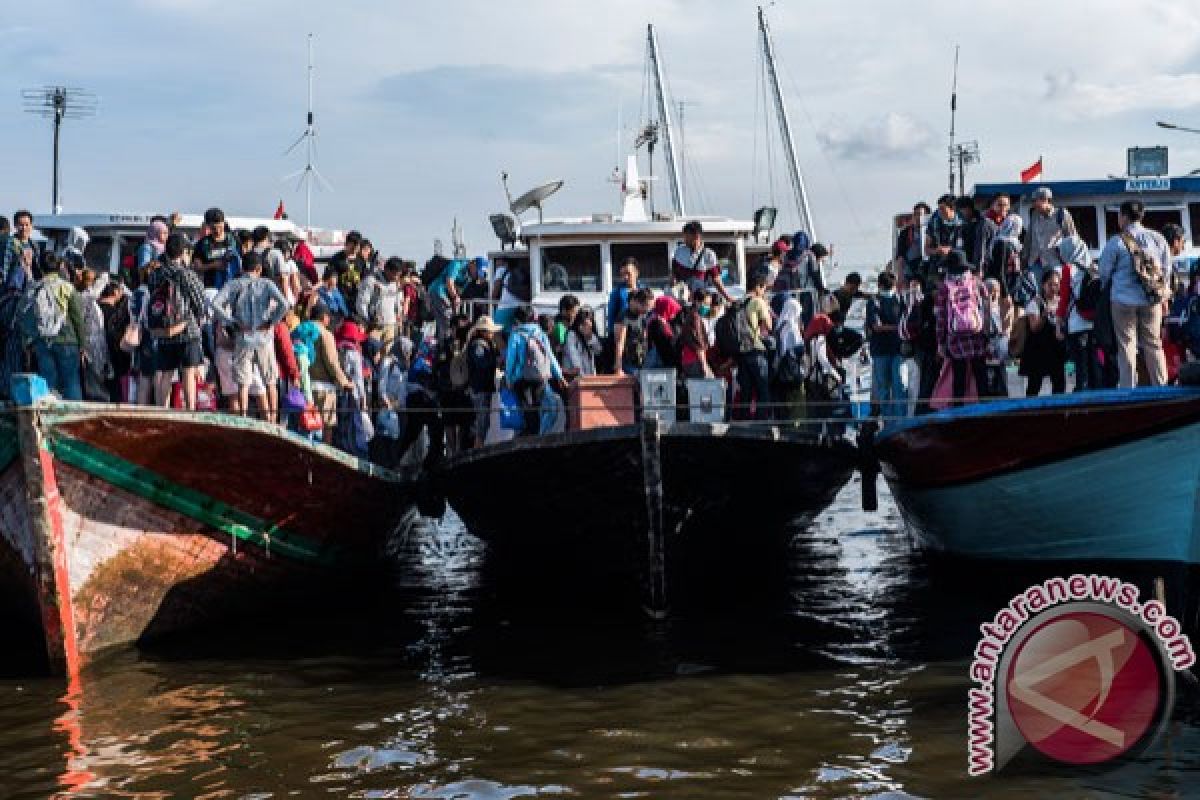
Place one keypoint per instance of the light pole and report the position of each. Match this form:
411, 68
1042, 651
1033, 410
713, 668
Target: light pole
1171, 126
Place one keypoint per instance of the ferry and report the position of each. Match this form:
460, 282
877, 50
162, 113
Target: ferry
645, 487
1097, 476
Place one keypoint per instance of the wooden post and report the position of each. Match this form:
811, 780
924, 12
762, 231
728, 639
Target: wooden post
656, 577
43, 505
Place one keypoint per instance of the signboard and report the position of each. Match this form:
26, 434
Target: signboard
1147, 162
1148, 185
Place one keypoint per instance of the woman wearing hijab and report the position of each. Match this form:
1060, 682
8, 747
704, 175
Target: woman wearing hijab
790, 370
662, 334
1081, 340
151, 249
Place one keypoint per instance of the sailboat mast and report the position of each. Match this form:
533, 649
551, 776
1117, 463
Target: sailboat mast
664, 113
785, 125
308, 183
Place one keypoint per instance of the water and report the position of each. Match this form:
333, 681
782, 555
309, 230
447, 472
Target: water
849, 681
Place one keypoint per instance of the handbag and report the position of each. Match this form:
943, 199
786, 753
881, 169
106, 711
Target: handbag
294, 402
131, 339
511, 416
310, 419
790, 372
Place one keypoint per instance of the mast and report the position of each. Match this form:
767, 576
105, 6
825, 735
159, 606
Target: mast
309, 175
785, 127
664, 113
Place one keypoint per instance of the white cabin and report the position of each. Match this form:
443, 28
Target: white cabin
115, 237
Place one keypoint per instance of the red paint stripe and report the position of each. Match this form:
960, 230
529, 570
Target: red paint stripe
62, 583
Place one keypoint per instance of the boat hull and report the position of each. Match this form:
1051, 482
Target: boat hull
123, 526
1108, 478
627, 503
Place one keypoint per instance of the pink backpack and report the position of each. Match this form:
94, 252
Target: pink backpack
965, 317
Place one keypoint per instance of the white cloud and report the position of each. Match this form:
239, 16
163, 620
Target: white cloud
1084, 99
895, 135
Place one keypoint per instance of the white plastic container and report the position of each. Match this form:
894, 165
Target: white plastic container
658, 394
706, 400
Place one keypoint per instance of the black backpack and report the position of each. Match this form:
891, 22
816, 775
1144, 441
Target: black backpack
730, 328
1090, 292
165, 311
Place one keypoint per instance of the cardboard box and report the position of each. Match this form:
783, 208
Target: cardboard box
601, 401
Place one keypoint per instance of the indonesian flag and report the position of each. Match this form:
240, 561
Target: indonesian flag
279, 212
1033, 173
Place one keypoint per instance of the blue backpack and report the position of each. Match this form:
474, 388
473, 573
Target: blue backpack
1191, 326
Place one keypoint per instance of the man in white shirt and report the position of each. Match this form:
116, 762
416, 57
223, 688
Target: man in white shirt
695, 265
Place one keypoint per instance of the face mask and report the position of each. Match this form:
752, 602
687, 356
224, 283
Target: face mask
887, 292
706, 311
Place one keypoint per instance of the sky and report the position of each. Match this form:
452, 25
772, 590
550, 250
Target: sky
421, 106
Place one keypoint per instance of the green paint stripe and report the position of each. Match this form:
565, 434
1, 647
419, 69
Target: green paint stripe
200, 507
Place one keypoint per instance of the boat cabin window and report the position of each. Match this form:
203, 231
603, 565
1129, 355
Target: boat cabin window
97, 254
1085, 224
572, 268
653, 258
1194, 217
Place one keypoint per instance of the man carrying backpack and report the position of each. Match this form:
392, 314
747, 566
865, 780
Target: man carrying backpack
1047, 227
753, 322
175, 308
888, 392
1132, 265
529, 365
218, 258
52, 319
961, 331
251, 305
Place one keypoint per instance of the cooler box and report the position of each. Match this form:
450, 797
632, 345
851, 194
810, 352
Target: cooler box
658, 394
600, 401
706, 400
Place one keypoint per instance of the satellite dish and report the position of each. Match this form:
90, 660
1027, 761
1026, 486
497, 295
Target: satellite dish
534, 198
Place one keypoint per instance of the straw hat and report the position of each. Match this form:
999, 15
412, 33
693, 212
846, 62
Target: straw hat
482, 325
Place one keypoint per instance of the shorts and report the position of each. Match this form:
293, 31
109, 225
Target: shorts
326, 403
254, 359
146, 357
225, 377
176, 353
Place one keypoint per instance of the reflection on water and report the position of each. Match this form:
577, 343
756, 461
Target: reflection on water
852, 684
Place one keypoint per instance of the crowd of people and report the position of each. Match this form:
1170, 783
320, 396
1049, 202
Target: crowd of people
977, 291
367, 353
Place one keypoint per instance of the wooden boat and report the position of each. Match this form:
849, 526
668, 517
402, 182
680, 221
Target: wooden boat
1094, 476
121, 524
628, 498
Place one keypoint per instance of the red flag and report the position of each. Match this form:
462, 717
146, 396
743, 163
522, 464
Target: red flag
279, 212
1033, 173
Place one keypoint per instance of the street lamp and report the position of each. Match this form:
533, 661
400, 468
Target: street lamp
1171, 126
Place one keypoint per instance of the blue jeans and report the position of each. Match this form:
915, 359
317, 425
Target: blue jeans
887, 386
59, 365
752, 377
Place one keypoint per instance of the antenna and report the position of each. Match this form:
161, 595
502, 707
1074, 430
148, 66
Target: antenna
309, 175
953, 115
58, 103
960, 154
